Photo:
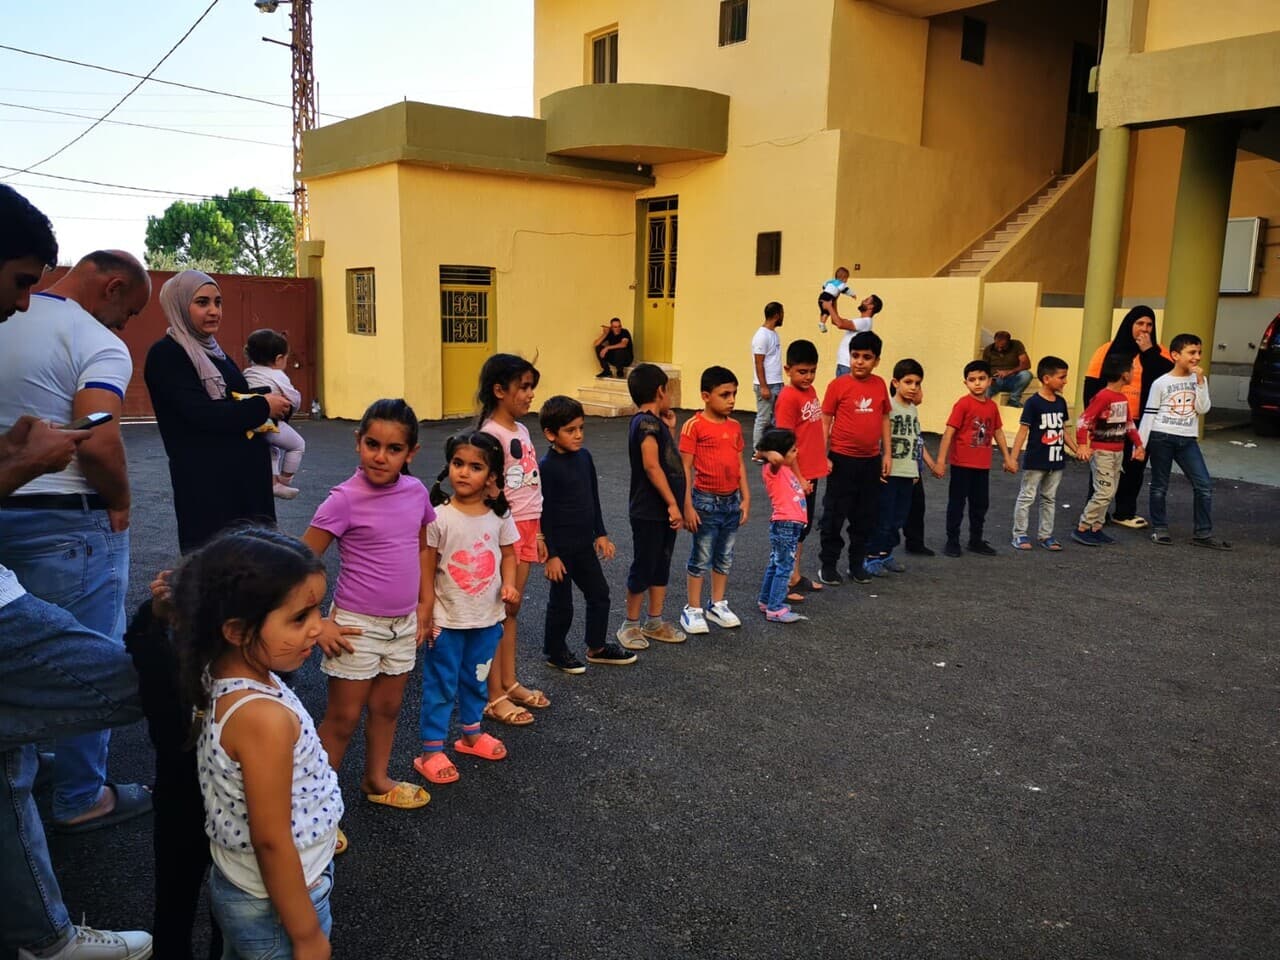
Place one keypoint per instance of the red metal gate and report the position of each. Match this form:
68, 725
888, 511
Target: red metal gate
287, 304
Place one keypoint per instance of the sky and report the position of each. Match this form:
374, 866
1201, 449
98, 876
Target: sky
475, 54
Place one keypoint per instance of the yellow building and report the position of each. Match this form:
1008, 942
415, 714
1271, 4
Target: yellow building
689, 162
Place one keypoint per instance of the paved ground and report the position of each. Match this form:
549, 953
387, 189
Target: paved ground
1024, 756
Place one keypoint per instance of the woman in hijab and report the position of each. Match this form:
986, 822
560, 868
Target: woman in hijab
1135, 339
220, 468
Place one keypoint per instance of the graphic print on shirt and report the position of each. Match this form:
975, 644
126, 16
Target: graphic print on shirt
811, 412
864, 406
905, 435
1051, 435
1182, 402
473, 570
522, 472
980, 436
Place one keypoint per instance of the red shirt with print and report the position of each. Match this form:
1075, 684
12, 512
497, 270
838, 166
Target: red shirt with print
801, 412
859, 409
717, 453
975, 423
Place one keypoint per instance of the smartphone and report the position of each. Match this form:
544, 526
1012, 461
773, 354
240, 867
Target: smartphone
88, 422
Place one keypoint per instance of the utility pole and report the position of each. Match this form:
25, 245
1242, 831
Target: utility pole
304, 107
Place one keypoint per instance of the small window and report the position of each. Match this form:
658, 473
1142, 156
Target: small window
733, 21
361, 302
973, 41
768, 254
604, 58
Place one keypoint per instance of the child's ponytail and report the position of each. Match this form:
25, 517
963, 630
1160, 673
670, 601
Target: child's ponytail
501, 370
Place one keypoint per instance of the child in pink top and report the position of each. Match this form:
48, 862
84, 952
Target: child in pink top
790, 512
380, 610
506, 390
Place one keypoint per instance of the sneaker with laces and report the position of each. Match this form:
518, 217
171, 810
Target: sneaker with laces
631, 636
612, 655
89, 944
693, 621
783, 614
566, 663
663, 632
982, 548
860, 574
830, 576
720, 614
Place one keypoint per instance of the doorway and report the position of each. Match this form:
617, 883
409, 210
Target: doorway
467, 334
662, 235
1081, 140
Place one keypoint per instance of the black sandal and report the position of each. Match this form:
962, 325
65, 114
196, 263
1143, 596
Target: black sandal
805, 585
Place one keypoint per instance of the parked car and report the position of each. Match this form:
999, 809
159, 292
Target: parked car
1264, 385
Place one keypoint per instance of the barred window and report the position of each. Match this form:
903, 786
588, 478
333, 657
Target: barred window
361, 302
604, 58
466, 301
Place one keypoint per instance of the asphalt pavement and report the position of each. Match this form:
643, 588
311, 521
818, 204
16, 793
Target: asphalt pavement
1025, 756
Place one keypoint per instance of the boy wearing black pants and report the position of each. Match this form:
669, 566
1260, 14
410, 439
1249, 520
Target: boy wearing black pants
855, 416
576, 541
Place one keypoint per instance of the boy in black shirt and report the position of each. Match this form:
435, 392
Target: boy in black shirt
573, 529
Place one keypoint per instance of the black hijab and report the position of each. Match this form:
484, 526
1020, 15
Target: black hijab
1124, 345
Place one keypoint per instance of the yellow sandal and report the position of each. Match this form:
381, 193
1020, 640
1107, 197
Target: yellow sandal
403, 796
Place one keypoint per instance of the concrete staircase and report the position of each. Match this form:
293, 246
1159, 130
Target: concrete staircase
608, 397
975, 260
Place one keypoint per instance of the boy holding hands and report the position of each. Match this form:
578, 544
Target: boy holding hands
717, 499
1042, 429
1100, 440
799, 410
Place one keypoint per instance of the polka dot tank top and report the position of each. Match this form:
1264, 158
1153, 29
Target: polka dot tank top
317, 800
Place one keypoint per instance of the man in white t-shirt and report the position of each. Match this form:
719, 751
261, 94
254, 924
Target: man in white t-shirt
766, 369
60, 678
867, 309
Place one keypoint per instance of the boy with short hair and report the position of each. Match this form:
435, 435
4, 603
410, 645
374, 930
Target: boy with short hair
576, 540
855, 416
1170, 427
717, 499
1042, 429
974, 421
1100, 440
657, 490
799, 410
766, 368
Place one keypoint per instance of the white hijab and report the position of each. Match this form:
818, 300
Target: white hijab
175, 299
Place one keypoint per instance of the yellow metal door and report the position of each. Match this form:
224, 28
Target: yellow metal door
467, 334
662, 243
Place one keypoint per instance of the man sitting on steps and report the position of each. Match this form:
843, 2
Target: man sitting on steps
1010, 367
613, 349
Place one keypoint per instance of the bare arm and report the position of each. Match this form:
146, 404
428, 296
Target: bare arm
653, 470
690, 514
765, 392
1019, 440
102, 456
32, 448
318, 540
948, 435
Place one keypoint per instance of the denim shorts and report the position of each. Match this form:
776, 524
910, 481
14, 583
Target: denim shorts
718, 518
251, 927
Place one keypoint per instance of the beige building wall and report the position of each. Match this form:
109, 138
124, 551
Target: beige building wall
1182, 23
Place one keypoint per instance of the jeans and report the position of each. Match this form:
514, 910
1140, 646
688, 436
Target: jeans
1015, 383
1165, 449
895, 507
853, 496
1045, 483
456, 667
1104, 467
971, 485
71, 558
913, 529
784, 535
56, 679
764, 412
251, 926
581, 567
719, 516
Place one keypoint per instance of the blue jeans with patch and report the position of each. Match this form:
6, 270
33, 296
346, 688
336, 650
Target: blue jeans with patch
784, 536
1163, 451
57, 679
72, 559
251, 927
719, 516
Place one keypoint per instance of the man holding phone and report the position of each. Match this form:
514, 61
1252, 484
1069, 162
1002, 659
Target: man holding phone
57, 677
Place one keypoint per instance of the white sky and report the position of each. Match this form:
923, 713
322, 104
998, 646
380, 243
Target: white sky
476, 54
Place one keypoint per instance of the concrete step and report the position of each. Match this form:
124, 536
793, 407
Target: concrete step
607, 409
982, 255
995, 246
596, 395
957, 272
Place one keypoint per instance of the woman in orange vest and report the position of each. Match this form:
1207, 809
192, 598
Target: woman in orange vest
1135, 338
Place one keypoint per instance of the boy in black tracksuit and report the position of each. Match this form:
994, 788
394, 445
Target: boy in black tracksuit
573, 529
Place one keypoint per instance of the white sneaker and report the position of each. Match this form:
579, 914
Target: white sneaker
719, 613
283, 491
692, 620
90, 944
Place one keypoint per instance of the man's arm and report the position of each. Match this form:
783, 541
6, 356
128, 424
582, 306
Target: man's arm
32, 448
1024, 363
604, 332
765, 392
102, 456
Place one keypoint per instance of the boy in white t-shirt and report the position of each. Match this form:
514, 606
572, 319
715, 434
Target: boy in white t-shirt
766, 368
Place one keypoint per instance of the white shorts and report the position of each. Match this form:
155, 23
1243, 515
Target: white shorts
386, 645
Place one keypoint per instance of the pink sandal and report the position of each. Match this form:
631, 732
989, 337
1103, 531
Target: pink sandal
431, 768
486, 747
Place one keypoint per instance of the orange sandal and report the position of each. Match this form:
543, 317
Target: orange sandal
433, 767
486, 747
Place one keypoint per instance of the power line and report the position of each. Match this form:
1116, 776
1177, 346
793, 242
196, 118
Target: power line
143, 126
100, 193
168, 83
122, 186
93, 126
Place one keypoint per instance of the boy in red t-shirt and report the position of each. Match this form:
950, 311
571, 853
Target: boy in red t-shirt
855, 416
717, 499
799, 410
973, 424
1104, 426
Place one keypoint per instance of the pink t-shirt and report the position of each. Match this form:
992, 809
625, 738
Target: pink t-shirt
786, 494
377, 532
523, 481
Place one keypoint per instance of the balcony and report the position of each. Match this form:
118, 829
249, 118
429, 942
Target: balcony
641, 123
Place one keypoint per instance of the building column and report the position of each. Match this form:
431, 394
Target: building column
1200, 231
1109, 195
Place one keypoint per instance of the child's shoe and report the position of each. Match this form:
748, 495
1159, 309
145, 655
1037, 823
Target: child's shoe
1087, 537
89, 944
830, 576
663, 632
893, 564
875, 566
982, 548
631, 636
783, 614
859, 574
720, 614
612, 655
1104, 538
283, 491
952, 549
566, 662
693, 621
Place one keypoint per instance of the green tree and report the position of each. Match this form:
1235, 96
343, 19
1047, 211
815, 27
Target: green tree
243, 232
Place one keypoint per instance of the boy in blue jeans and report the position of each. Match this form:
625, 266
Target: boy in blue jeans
717, 499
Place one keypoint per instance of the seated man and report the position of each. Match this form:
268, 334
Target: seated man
613, 349
1010, 367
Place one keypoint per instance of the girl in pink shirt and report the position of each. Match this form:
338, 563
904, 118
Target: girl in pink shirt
790, 510
380, 603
